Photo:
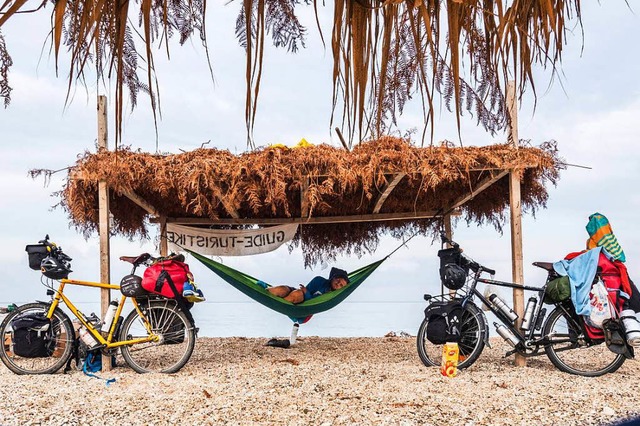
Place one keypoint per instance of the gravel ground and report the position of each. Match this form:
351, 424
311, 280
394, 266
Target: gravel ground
323, 381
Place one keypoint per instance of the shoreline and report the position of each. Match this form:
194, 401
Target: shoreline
324, 381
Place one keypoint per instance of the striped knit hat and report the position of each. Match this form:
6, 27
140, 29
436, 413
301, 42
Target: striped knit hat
601, 235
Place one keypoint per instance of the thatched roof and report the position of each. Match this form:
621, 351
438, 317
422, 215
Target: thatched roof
306, 184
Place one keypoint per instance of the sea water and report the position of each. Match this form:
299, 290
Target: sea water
250, 319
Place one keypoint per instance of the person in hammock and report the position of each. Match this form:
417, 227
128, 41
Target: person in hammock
338, 278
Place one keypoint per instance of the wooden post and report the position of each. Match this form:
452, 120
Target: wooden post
164, 249
103, 215
449, 234
516, 215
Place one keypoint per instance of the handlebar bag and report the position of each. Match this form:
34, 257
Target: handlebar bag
443, 322
166, 278
32, 337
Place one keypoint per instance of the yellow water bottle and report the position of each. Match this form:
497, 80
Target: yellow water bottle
450, 354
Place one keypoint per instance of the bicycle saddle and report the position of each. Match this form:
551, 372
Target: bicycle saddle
136, 260
545, 265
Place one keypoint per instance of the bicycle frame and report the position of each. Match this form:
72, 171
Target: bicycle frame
107, 342
528, 337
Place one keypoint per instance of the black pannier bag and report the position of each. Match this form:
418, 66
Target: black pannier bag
36, 253
131, 286
448, 257
444, 320
32, 336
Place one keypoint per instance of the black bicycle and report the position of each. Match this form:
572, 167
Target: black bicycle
562, 334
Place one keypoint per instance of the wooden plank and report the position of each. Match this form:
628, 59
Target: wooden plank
305, 221
103, 217
515, 207
142, 203
164, 249
448, 232
304, 201
390, 187
484, 184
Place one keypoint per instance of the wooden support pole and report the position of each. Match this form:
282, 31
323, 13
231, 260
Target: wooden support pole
164, 249
448, 232
516, 215
103, 215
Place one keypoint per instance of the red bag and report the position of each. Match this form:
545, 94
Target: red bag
160, 277
616, 280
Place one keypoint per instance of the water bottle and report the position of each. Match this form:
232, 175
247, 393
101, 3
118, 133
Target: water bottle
294, 333
506, 334
503, 307
528, 313
87, 337
109, 316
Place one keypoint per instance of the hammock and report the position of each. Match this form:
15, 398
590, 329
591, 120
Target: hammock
298, 313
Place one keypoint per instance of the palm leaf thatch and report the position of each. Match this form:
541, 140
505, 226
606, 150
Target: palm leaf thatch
384, 52
268, 183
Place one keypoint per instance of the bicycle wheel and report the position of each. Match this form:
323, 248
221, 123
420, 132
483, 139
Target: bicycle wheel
472, 335
569, 352
49, 350
176, 338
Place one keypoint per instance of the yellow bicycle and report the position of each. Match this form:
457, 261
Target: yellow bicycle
158, 335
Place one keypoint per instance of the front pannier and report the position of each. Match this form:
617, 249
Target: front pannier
36, 253
443, 322
32, 336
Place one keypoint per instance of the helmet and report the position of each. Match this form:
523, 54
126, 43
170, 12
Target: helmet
453, 276
131, 286
55, 268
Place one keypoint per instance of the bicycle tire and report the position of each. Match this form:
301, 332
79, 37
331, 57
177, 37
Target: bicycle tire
473, 328
62, 343
581, 359
177, 338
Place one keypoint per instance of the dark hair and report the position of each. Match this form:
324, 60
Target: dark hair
338, 273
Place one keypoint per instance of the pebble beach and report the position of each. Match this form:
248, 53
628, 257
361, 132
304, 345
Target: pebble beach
323, 381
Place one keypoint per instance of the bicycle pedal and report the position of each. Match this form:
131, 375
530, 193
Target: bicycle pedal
509, 353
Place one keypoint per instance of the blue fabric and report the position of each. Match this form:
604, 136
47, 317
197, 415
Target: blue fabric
316, 287
581, 271
93, 364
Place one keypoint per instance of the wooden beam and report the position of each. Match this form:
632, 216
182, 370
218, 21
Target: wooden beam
385, 193
515, 207
484, 184
164, 250
305, 221
142, 203
304, 201
103, 218
448, 232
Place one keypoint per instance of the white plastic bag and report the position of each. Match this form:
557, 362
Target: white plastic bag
601, 308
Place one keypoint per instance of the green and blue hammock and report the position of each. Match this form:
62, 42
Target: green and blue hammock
298, 313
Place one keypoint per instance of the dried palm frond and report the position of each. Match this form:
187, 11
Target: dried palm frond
384, 52
5, 64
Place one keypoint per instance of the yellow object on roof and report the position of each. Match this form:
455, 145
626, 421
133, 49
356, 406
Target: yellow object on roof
303, 144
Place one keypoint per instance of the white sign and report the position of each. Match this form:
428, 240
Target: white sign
229, 242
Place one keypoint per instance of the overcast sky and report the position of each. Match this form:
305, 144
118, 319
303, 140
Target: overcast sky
594, 115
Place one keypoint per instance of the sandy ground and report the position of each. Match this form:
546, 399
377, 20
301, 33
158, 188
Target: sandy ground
323, 381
